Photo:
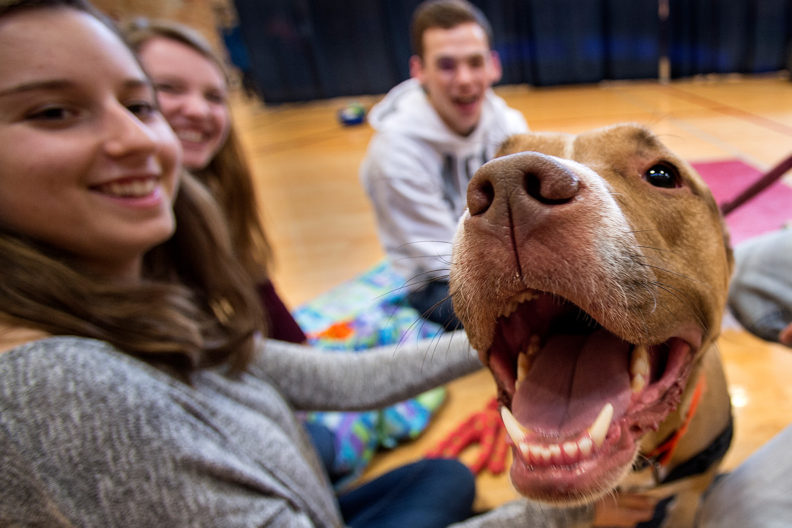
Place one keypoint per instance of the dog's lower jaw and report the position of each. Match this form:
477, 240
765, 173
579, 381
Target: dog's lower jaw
580, 483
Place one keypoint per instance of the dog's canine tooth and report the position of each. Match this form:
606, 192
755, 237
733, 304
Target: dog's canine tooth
516, 431
524, 360
523, 366
638, 383
639, 368
600, 427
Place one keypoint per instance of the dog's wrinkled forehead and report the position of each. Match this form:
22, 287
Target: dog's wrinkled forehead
623, 148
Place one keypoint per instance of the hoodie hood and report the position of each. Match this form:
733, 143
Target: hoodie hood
406, 110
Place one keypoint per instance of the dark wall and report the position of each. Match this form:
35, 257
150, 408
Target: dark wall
300, 50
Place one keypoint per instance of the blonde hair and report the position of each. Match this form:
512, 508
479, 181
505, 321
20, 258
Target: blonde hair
228, 174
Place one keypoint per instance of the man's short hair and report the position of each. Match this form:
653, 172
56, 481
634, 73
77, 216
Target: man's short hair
445, 14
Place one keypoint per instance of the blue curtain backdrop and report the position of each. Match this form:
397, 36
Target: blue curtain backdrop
300, 50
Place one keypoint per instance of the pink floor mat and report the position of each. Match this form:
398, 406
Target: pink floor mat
767, 211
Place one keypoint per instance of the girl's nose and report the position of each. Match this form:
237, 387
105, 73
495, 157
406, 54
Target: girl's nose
127, 134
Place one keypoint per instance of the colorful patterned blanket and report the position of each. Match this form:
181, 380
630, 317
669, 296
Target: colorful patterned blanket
365, 312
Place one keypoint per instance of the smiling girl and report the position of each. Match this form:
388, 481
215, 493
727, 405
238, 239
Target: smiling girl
135, 389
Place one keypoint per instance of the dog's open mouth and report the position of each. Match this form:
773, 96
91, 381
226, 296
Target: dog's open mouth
575, 397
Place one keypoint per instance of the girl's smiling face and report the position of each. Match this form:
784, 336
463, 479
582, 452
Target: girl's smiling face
192, 94
87, 162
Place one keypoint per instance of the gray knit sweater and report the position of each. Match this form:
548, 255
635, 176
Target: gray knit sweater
90, 436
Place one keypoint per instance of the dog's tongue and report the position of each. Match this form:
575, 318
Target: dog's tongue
571, 378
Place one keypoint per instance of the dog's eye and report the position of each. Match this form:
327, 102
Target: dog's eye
662, 175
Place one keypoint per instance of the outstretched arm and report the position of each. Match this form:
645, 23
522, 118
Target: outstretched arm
311, 378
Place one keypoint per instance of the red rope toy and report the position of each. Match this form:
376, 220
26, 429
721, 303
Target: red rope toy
483, 428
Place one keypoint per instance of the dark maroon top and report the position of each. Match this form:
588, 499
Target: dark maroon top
282, 325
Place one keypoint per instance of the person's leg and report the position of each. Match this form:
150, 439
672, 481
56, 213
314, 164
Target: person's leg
431, 493
757, 493
434, 303
323, 439
760, 293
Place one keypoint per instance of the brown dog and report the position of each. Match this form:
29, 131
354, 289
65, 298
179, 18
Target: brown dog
591, 273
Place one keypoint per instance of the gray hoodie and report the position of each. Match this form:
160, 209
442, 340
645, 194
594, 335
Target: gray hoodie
416, 173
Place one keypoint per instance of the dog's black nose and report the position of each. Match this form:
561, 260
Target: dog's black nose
528, 177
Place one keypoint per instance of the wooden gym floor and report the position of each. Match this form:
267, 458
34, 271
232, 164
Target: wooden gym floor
322, 228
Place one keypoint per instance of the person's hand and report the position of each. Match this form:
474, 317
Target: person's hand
623, 510
786, 335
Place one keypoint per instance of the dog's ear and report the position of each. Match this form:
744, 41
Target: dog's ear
551, 143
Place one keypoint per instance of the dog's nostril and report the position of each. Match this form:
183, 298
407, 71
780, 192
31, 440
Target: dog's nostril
480, 197
554, 188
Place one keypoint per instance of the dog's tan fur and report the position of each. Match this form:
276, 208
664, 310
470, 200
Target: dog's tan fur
647, 263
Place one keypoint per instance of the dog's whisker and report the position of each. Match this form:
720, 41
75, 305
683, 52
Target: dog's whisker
674, 273
685, 298
436, 256
425, 277
653, 248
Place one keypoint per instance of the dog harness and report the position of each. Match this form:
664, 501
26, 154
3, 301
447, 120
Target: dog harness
661, 455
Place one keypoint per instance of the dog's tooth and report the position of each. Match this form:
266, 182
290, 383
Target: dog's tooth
570, 449
524, 448
516, 301
533, 345
536, 452
600, 427
640, 361
524, 360
638, 383
516, 431
555, 453
526, 296
639, 368
586, 446
523, 366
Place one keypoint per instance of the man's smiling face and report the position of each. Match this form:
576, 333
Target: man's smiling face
456, 70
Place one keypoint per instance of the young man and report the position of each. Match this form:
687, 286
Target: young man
433, 132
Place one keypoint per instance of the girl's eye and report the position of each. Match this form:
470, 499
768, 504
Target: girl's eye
663, 175
167, 87
52, 113
142, 109
215, 97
